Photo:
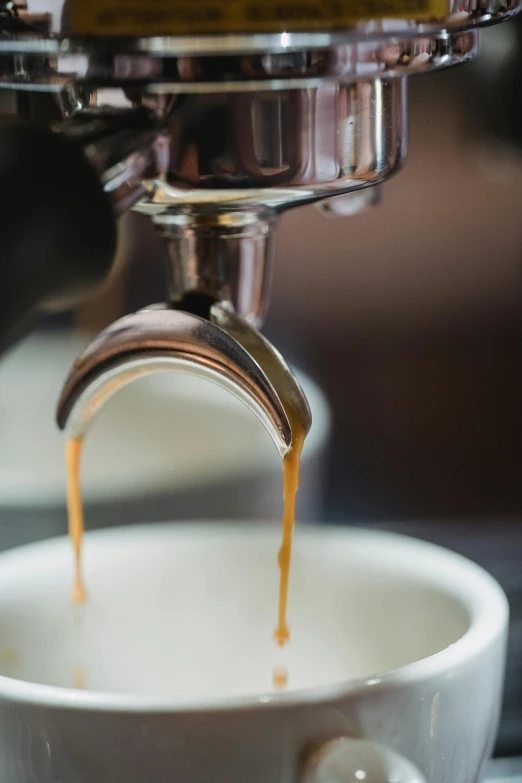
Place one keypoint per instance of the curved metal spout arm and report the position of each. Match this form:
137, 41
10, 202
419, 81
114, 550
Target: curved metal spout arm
162, 339
271, 362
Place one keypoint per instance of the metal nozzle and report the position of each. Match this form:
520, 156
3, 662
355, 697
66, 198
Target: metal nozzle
161, 339
226, 254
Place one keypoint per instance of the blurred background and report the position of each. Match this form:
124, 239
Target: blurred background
412, 337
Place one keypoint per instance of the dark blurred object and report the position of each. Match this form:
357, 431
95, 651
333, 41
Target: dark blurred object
57, 227
427, 427
492, 91
58, 222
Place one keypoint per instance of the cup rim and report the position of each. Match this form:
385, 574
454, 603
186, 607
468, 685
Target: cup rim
464, 580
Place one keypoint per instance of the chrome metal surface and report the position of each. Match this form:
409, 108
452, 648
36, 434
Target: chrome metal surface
351, 203
280, 148
225, 255
217, 199
271, 362
453, 17
124, 146
162, 339
100, 65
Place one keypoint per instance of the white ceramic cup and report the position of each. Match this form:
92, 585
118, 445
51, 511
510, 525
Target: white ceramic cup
395, 664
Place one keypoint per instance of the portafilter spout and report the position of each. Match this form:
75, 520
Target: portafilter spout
223, 349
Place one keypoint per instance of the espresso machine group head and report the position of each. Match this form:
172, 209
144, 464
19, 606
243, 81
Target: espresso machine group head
212, 117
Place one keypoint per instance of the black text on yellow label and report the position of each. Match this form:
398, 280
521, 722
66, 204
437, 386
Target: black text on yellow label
182, 17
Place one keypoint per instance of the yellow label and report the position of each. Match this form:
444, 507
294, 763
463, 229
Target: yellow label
181, 17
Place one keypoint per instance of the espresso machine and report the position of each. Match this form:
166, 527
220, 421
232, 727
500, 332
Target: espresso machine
211, 117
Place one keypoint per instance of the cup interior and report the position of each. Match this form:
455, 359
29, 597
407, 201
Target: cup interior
187, 612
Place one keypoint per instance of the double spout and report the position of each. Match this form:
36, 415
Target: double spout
218, 280
223, 349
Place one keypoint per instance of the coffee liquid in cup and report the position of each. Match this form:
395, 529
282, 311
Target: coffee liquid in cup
291, 462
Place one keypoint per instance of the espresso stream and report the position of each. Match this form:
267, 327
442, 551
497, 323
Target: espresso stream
73, 450
291, 462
